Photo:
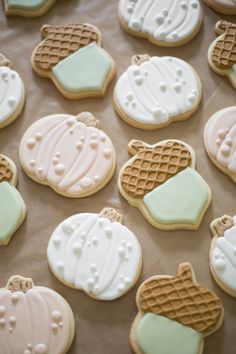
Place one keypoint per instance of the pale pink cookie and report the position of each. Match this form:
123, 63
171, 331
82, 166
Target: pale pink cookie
34, 319
68, 153
227, 7
220, 140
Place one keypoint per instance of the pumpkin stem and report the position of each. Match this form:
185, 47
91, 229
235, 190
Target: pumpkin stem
88, 119
139, 59
6, 172
4, 61
112, 214
18, 283
186, 271
219, 226
135, 146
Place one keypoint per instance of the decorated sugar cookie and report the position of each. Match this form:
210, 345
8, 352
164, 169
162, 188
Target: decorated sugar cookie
72, 57
223, 253
166, 23
27, 8
96, 253
220, 140
221, 53
175, 314
161, 181
34, 319
12, 93
155, 91
12, 206
227, 7
68, 153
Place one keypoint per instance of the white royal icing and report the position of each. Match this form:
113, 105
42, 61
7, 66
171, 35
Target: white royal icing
11, 92
96, 255
164, 20
157, 90
224, 258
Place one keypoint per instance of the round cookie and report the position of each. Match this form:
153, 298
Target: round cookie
68, 153
27, 8
155, 91
227, 7
167, 23
12, 93
12, 206
34, 319
221, 53
96, 253
72, 57
175, 314
223, 253
220, 140
162, 182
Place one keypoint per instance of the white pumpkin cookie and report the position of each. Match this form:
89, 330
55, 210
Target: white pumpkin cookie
227, 7
167, 23
34, 319
72, 57
220, 140
223, 253
96, 253
175, 314
12, 93
12, 206
162, 182
27, 8
68, 153
155, 91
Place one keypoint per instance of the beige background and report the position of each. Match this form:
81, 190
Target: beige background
103, 327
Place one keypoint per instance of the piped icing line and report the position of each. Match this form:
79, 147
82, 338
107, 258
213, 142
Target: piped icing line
95, 254
161, 21
67, 155
158, 91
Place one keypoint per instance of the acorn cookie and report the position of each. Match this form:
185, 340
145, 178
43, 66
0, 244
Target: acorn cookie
96, 253
12, 206
12, 93
34, 319
68, 153
220, 140
27, 8
72, 57
166, 23
161, 181
175, 314
155, 91
227, 7
221, 53
223, 253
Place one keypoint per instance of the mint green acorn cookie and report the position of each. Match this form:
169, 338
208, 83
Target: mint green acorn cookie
12, 206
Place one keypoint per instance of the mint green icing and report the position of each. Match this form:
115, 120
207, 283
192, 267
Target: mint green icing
181, 199
27, 5
85, 70
11, 210
159, 335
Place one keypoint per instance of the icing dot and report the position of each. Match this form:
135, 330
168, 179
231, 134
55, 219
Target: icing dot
163, 86
13, 75
191, 98
157, 112
67, 228
225, 150
220, 264
79, 145
2, 322
127, 281
70, 122
179, 71
183, 82
85, 182
60, 266
121, 252
194, 5
96, 178
54, 327
183, 5
130, 8
27, 351
11, 101
71, 131
138, 80
40, 349
77, 248
136, 24
103, 138
82, 138
40, 170
229, 141
31, 143
38, 136
29, 346
2, 311
107, 153
95, 241
94, 136
162, 34
96, 275
55, 160
221, 133
10, 329
14, 298
57, 241
108, 231
93, 143
12, 321
90, 283
4, 74
32, 163
59, 169
56, 316
120, 287
129, 96
165, 12
177, 87
61, 324
160, 19
93, 268
136, 71
130, 247
83, 235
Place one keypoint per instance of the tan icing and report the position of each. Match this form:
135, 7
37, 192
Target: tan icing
6, 172
220, 225
112, 214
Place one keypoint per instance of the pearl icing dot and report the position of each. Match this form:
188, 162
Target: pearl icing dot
40, 349
56, 316
107, 153
11, 101
31, 143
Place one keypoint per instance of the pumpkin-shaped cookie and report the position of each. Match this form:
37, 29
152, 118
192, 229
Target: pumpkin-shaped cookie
175, 314
96, 253
69, 154
34, 319
12, 206
12, 93
161, 181
223, 253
